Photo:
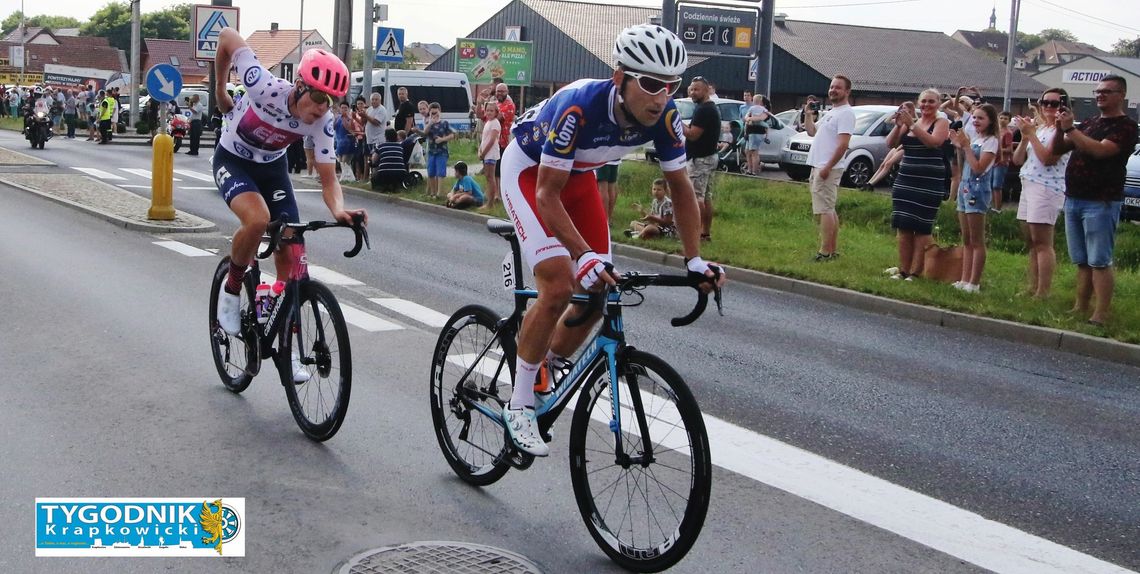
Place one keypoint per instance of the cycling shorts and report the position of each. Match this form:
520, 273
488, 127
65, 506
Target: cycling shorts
235, 176
580, 197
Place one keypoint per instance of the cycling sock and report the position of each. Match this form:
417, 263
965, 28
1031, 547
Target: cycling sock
233, 279
523, 395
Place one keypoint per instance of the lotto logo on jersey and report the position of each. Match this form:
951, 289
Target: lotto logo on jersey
565, 130
673, 118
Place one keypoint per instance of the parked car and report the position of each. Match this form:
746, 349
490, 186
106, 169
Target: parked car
788, 117
1131, 209
867, 149
732, 122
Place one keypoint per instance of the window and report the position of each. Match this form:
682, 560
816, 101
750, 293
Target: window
201, 64
174, 61
454, 99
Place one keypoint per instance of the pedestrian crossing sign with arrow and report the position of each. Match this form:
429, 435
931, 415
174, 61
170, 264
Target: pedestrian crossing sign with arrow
390, 45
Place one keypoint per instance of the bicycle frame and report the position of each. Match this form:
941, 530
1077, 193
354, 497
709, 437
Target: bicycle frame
605, 347
289, 299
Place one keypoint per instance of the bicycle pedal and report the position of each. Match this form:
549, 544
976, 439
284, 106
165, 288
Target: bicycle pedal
519, 459
547, 435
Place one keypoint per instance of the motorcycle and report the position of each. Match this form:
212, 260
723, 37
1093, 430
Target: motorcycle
179, 127
38, 131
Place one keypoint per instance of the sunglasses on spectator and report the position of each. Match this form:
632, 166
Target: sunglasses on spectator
1050, 103
654, 86
1105, 92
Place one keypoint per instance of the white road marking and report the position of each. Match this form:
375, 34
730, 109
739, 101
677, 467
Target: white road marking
195, 174
486, 367
99, 173
141, 172
928, 521
367, 321
429, 317
187, 250
331, 277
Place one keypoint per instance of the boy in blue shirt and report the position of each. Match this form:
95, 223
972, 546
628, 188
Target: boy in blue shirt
466, 193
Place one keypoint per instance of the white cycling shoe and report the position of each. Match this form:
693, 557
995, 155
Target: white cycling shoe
523, 429
229, 312
300, 375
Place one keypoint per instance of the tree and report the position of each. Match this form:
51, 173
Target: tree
42, 21
113, 22
171, 24
1027, 42
1127, 48
1058, 34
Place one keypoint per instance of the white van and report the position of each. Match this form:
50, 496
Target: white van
450, 89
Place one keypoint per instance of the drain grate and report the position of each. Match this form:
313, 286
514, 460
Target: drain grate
449, 557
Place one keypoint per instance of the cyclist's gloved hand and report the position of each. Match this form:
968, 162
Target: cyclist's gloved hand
590, 269
710, 270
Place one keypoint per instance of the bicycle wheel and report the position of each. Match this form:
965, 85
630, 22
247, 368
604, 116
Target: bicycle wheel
645, 515
235, 356
473, 444
316, 339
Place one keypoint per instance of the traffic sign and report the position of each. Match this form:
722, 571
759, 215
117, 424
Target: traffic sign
163, 82
206, 25
707, 30
390, 45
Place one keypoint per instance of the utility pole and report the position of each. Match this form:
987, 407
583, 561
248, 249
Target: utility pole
369, 49
342, 31
300, 42
212, 101
136, 45
765, 50
1011, 42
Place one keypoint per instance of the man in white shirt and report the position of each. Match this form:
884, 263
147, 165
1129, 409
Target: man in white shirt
827, 158
377, 116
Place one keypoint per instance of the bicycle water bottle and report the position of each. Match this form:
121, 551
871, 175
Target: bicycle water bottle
261, 300
274, 297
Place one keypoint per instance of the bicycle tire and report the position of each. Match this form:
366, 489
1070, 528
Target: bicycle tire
683, 459
325, 354
235, 376
467, 332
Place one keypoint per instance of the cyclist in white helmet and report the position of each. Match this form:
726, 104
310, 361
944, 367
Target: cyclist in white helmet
551, 195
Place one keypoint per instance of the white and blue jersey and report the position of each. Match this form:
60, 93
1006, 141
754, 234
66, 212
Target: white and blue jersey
575, 130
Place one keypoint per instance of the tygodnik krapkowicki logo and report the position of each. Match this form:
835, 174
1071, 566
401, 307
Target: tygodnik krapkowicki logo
140, 527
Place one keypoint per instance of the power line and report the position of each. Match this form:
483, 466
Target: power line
851, 4
1088, 16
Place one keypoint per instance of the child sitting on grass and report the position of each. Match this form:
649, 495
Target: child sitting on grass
466, 193
658, 221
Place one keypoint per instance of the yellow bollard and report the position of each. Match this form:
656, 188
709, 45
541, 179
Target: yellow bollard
162, 179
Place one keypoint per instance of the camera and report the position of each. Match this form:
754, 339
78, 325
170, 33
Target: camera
813, 106
956, 125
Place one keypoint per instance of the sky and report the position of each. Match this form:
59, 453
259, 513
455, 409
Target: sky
1097, 22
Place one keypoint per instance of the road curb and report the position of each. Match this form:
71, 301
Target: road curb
1047, 337
119, 221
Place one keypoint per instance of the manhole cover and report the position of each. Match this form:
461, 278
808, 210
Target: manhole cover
449, 557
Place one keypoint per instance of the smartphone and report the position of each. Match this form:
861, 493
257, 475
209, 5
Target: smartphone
956, 125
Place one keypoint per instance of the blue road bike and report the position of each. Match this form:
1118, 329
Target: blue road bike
639, 455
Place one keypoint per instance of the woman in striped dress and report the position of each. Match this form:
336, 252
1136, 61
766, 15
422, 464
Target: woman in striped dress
922, 179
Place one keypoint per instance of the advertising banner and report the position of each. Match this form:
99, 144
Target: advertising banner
70, 76
483, 60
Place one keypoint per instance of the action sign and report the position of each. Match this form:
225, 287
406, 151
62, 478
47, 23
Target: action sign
163, 82
717, 31
390, 45
206, 24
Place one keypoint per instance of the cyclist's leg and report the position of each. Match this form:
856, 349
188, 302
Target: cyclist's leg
588, 212
239, 191
277, 192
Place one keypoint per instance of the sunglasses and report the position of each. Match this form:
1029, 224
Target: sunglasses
653, 86
318, 96
1105, 92
1050, 103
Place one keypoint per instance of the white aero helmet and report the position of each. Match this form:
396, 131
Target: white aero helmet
651, 49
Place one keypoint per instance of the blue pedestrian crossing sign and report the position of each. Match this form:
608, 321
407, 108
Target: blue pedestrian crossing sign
163, 82
390, 45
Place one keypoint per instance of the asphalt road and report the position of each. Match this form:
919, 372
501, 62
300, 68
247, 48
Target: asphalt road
112, 393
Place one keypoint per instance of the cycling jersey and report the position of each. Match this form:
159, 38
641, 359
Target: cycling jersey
259, 127
575, 130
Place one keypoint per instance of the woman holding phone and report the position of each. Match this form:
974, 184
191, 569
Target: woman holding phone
1042, 188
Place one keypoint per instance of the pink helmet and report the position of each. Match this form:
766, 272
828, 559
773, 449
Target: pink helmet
325, 72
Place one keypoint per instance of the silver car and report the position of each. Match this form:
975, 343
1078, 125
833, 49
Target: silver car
867, 149
732, 125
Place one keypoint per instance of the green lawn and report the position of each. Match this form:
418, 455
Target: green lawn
766, 225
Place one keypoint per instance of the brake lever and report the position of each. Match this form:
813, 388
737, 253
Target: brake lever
274, 231
361, 233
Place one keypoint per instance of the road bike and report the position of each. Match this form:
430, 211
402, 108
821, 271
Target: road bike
639, 455
303, 332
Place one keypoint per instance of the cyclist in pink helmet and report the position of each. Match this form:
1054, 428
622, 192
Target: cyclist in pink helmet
250, 167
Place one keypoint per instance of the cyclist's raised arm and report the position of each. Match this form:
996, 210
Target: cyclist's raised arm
229, 41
